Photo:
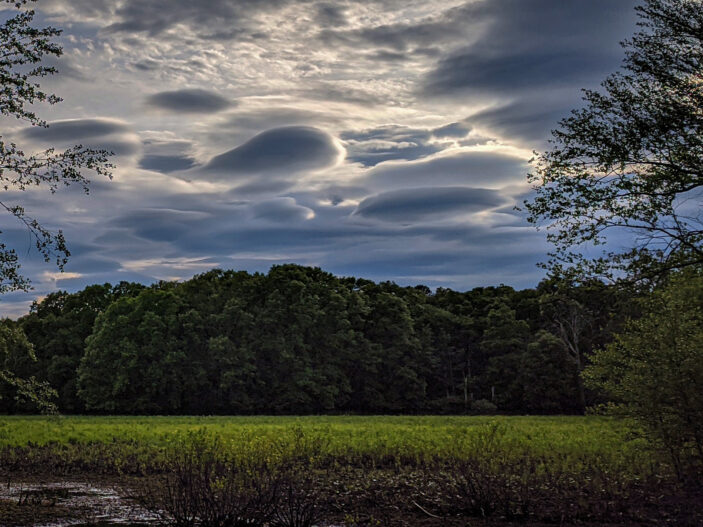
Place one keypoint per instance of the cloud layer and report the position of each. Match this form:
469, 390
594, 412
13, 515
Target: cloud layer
382, 139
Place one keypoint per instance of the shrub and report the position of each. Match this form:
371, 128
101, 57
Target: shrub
483, 406
207, 485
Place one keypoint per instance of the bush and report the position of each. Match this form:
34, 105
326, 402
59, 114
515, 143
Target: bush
483, 406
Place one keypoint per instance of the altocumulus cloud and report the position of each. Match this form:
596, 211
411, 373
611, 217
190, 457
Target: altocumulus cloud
415, 204
166, 153
189, 101
75, 129
385, 143
286, 150
464, 168
108, 134
282, 210
516, 50
530, 60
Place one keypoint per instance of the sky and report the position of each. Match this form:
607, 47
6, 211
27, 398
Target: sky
388, 140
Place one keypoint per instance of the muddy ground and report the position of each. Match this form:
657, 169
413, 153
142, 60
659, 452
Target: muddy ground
76, 502
109, 501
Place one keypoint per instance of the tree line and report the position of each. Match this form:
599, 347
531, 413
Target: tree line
301, 340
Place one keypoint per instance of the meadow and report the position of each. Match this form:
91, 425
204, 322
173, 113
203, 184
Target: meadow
380, 438
358, 470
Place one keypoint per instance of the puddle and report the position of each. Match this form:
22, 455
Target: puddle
74, 504
77, 504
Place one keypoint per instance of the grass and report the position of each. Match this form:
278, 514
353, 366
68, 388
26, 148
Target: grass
378, 440
513, 467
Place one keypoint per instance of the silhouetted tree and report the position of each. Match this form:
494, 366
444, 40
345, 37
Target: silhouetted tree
632, 157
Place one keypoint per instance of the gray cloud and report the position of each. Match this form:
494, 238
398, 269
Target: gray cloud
166, 154
163, 153
529, 118
189, 101
421, 203
384, 55
239, 125
330, 15
339, 91
286, 150
474, 72
166, 163
219, 20
336, 194
465, 168
261, 186
403, 36
282, 210
494, 71
67, 68
162, 224
90, 263
535, 55
535, 43
75, 130
100, 134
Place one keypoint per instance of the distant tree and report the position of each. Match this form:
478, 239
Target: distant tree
300, 338
632, 158
571, 321
548, 376
135, 361
444, 340
58, 326
15, 352
396, 350
22, 49
455, 328
218, 324
654, 369
504, 343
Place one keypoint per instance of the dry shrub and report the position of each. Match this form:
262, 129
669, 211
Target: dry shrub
204, 485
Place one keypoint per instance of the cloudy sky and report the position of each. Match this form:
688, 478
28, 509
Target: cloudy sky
383, 139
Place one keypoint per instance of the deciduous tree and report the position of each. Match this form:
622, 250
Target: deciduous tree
631, 159
15, 352
654, 368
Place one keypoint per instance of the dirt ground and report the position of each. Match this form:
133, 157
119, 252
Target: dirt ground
108, 501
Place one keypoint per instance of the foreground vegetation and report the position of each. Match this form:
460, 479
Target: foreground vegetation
379, 440
360, 470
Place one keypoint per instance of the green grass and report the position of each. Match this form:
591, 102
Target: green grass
530, 467
428, 434
378, 440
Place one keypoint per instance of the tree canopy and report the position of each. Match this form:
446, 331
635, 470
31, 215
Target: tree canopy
301, 340
631, 159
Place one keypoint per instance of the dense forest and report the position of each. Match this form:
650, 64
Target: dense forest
300, 340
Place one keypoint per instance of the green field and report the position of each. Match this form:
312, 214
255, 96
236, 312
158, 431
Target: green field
378, 440
547, 468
